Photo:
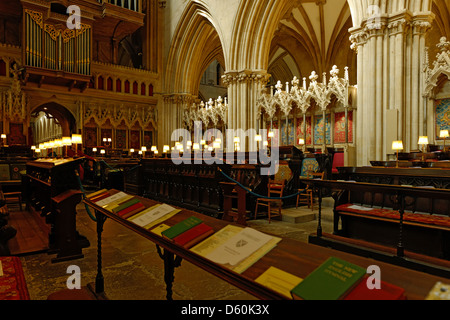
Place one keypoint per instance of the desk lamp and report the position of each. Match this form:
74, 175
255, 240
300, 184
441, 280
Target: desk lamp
443, 134
397, 145
423, 140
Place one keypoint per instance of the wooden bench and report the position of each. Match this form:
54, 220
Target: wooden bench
416, 219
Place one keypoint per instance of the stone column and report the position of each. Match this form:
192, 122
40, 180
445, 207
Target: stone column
390, 57
172, 113
243, 91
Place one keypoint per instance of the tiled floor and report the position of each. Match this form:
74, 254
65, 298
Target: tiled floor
133, 270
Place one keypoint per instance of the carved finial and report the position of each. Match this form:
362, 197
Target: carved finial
443, 44
334, 71
295, 82
313, 77
279, 86
210, 103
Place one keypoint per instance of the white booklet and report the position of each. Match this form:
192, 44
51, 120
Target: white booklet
152, 214
110, 199
239, 247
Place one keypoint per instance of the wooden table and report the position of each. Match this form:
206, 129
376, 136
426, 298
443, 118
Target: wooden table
292, 256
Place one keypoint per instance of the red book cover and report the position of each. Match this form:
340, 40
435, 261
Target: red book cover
132, 213
388, 291
130, 209
194, 235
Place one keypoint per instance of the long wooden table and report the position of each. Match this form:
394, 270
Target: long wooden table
401, 198
292, 256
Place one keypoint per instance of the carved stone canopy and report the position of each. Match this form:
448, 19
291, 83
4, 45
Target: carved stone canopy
320, 92
441, 66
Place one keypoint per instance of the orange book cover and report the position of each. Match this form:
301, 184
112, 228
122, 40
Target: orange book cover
100, 197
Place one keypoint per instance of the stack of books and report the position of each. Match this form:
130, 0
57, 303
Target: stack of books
188, 232
337, 279
122, 204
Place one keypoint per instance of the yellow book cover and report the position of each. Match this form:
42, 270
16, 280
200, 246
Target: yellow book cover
118, 202
440, 291
96, 193
158, 229
220, 237
279, 281
258, 254
207, 246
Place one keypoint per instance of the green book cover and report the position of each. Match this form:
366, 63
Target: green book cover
181, 227
125, 205
330, 281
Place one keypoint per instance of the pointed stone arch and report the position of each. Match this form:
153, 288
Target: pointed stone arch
197, 43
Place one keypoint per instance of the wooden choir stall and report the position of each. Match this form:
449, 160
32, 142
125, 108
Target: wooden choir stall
52, 190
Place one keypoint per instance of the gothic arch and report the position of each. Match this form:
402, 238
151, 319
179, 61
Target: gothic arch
62, 115
197, 43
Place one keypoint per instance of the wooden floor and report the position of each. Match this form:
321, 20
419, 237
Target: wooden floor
32, 232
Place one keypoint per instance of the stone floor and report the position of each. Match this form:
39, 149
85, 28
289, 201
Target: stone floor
133, 270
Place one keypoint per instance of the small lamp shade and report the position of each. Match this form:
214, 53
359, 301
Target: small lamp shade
76, 138
196, 146
397, 145
258, 138
102, 151
443, 134
67, 141
166, 148
236, 139
33, 147
153, 148
144, 149
94, 149
423, 140
3, 136
301, 141
271, 134
132, 150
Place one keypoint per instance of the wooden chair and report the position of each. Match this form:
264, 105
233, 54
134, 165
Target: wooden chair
307, 197
275, 190
13, 198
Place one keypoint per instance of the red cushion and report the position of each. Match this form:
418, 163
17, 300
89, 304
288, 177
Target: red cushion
394, 214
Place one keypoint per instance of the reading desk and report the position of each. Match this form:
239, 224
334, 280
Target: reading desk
291, 256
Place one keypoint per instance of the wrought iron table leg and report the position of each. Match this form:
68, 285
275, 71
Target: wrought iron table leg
99, 280
400, 247
319, 226
170, 263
